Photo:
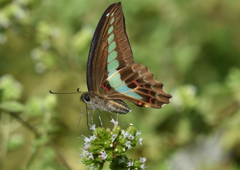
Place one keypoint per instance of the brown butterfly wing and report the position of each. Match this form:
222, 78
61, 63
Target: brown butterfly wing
138, 86
111, 27
112, 73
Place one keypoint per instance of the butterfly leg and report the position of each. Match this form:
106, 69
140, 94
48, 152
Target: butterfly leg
91, 116
80, 115
88, 114
117, 117
99, 117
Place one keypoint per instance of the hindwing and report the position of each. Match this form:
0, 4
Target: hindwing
136, 84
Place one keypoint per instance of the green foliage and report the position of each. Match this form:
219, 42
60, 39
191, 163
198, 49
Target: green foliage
10, 88
15, 141
12, 106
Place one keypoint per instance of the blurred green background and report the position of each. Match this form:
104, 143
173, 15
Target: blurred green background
192, 46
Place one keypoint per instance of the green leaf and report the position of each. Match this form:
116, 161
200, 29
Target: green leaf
11, 88
12, 106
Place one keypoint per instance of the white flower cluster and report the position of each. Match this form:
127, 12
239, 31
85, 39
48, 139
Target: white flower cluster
129, 136
129, 141
103, 155
126, 135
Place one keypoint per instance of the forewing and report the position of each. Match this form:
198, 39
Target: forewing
110, 49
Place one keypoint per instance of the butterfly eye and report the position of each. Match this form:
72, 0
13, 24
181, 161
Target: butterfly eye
87, 98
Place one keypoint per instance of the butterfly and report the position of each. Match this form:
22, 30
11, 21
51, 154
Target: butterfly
112, 75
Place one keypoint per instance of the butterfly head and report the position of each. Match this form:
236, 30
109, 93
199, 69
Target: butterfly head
85, 98
90, 98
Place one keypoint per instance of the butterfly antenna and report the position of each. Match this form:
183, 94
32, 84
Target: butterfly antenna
79, 91
67, 93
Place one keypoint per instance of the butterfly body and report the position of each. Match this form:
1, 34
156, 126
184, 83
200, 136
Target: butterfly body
112, 74
110, 105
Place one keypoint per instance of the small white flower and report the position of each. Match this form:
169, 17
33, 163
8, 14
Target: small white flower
90, 155
103, 155
114, 136
131, 137
143, 167
87, 140
138, 133
143, 159
114, 122
93, 137
140, 141
125, 134
130, 163
128, 144
93, 127
131, 124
